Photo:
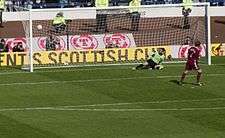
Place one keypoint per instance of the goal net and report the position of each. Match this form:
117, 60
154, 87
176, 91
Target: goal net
15, 52
115, 35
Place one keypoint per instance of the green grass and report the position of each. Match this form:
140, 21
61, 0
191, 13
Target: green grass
150, 105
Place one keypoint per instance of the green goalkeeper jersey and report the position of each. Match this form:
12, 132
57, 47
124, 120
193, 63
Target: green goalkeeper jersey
157, 58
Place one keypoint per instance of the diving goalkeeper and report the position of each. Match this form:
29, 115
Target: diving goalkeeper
155, 60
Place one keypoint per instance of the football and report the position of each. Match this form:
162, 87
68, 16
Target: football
39, 27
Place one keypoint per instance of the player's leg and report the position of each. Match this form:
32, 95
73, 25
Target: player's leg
139, 66
149, 64
199, 74
143, 66
183, 77
187, 68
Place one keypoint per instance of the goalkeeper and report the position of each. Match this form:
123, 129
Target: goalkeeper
155, 60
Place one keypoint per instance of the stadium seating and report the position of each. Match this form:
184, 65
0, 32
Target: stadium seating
89, 3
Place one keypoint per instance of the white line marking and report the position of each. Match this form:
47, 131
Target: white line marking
90, 69
63, 70
12, 73
139, 109
73, 81
99, 80
78, 107
151, 102
114, 109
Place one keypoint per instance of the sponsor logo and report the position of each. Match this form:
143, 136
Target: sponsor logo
59, 43
183, 51
118, 39
73, 57
218, 49
14, 41
84, 42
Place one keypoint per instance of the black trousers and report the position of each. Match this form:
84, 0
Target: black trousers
135, 18
101, 23
151, 64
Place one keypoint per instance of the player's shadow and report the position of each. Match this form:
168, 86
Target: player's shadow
177, 82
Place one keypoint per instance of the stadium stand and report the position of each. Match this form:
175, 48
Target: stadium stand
35, 4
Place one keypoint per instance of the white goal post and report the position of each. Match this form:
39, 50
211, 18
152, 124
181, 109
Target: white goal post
114, 35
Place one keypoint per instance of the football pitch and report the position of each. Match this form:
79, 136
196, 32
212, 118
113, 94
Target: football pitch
113, 102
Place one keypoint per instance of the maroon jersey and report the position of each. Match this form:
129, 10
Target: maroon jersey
193, 57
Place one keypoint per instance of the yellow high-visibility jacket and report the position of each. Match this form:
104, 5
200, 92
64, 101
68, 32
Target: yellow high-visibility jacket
2, 4
187, 4
59, 20
134, 4
101, 3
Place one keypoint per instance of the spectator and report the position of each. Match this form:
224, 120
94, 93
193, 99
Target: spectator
38, 4
112, 45
135, 15
59, 22
186, 10
3, 46
115, 2
2, 7
18, 47
9, 6
63, 3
